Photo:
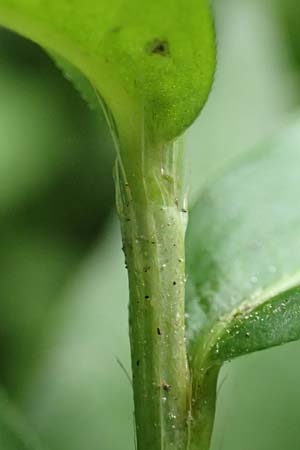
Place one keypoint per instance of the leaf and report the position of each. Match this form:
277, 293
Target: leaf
86, 89
79, 81
153, 61
243, 263
272, 323
14, 435
243, 252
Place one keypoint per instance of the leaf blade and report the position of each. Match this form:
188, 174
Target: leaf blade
243, 262
247, 256
157, 60
272, 323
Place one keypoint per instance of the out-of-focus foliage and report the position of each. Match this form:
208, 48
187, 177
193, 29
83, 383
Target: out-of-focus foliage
55, 194
14, 433
63, 292
289, 13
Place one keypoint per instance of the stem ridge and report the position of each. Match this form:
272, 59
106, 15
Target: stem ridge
153, 227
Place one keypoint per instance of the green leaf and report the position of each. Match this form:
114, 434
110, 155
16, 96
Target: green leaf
243, 263
86, 89
14, 435
153, 60
273, 322
79, 81
243, 252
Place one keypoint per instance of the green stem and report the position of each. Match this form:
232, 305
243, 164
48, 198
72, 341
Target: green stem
204, 395
149, 199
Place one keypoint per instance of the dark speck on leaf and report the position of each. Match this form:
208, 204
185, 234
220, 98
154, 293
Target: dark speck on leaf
138, 362
116, 29
158, 47
158, 332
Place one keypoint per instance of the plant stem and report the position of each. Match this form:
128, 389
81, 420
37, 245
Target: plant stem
204, 395
153, 221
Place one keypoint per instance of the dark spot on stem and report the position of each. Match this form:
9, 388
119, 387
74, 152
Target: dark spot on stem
174, 283
158, 47
147, 297
158, 332
166, 387
138, 362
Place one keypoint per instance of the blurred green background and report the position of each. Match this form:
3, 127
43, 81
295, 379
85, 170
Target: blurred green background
63, 286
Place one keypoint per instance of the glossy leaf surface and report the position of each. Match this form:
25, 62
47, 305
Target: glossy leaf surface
243, 249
